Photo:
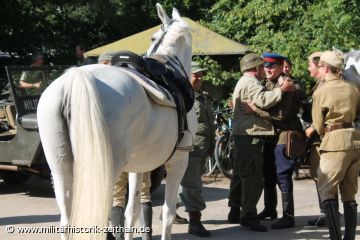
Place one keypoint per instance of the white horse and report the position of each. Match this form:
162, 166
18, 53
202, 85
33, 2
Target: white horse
352, 66
96, 121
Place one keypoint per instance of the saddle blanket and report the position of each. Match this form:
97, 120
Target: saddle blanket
156, 93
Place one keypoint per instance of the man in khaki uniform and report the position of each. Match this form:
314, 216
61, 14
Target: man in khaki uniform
248, 132
119, 204
334, 110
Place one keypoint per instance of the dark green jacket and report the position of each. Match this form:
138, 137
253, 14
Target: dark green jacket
205, 132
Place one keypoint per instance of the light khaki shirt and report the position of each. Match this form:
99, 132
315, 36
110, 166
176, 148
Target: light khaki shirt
337, 101
249, 87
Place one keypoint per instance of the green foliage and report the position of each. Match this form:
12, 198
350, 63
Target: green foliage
57, 26
215, 74
294, 28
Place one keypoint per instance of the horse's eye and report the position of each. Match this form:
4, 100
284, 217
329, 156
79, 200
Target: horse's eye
152, 39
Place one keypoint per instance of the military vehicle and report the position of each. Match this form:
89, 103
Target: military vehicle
21, 152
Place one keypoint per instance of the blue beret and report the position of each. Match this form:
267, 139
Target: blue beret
272, 57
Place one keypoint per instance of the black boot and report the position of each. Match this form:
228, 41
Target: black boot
320, 220
195, 225
146, 215
270, 202
254, 224
234, 215
332, 216
178, 219
350, 216
117, 220
287, 220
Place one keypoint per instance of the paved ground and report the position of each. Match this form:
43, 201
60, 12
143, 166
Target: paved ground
33, 204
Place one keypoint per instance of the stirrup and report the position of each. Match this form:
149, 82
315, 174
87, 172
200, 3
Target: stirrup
186, 143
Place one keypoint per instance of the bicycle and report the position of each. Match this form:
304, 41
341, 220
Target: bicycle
224, 146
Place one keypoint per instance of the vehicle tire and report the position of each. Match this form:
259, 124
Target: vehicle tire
12, 177
157, 175
224, 154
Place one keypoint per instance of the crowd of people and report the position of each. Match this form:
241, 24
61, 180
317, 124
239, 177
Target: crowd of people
266, 113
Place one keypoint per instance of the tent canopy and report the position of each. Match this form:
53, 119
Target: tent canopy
205, 42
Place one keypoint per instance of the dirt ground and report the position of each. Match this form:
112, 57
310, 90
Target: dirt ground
33, 205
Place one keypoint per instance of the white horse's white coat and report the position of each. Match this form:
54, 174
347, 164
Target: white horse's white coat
352, 67
94, 120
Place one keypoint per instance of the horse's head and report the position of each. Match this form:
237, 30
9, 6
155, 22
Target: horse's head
174, 38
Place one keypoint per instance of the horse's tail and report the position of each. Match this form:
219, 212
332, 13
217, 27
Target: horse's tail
92, 191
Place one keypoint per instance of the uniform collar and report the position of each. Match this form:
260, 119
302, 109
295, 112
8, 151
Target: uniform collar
331, 78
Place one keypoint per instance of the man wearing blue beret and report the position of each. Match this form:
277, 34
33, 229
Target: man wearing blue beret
278, 168
248, 133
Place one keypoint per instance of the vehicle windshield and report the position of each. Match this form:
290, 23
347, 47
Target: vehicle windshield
28, 83
32, 81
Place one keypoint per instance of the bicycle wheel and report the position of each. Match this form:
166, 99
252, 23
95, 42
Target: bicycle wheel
224, 154
210, 166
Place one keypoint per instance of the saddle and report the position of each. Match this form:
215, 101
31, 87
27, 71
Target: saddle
163, 71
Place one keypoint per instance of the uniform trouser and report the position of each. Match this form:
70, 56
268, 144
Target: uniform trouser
120, 189
314, 160
248, 153
284, 169
270, 177
339, 170
235, 186
191, 183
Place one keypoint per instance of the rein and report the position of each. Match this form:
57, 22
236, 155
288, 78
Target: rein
157, 45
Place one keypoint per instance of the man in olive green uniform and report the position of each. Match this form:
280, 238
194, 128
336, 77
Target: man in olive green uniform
335, 106
248, 132
284, 116
34, 81
190, 193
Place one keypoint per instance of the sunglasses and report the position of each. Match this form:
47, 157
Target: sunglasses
271, 66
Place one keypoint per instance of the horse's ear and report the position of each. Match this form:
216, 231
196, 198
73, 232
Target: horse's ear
162, 14
175, 14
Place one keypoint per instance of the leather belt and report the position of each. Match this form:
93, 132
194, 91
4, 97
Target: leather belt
338, 126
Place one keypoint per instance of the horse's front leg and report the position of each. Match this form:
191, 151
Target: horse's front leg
133, 206
175, 168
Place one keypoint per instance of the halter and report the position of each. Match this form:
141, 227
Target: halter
155, 48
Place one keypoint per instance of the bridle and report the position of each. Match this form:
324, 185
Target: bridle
157, 45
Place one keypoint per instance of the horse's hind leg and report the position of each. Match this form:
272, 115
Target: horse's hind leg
133, 205
56, 144
175, 169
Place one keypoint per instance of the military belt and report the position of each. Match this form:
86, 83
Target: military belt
338, 126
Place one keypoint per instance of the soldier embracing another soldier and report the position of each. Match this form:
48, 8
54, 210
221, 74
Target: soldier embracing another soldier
263, 117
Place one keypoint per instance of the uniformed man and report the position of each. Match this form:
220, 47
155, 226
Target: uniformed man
284, 116
314, 138
204, 144
119, 204
248, 132
334, 110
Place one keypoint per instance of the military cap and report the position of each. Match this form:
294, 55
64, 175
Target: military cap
314, 55
332, 58
271, 58
195, 68
106, 56
249, 61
